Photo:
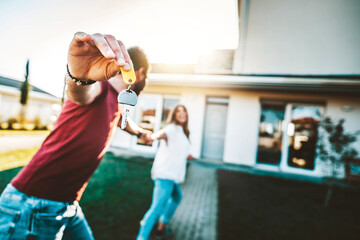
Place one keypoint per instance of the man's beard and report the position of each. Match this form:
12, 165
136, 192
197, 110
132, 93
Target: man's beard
138, 86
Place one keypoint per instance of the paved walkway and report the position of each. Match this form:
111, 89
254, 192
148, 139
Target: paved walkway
9, 143
196, 216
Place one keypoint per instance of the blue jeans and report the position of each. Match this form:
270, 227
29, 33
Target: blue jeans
25, 217
166, 198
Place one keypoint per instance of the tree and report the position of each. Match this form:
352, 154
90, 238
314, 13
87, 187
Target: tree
24, 93
335, 147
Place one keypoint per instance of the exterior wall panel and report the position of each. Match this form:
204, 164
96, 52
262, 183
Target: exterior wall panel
302, 37
241, 137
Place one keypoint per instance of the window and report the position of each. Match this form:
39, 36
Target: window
303, 135
168, 105
146, 109
270, 133
152, 112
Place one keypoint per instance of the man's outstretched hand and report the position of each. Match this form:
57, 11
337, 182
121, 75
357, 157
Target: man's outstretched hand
96, 57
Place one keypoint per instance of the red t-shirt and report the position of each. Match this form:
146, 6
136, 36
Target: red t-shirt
68, 157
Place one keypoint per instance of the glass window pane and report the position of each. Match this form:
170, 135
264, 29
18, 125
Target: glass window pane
147, 108
270, 134
168, 105
303, 136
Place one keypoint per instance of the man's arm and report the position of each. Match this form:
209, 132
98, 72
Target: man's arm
83, 94
94, 57
132, 128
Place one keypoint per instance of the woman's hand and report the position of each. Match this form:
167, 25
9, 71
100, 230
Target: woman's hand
96, 57
146, 137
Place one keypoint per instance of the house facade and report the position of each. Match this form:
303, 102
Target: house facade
259, 105
41, 104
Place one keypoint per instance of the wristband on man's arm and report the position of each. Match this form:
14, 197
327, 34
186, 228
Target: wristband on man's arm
76, 80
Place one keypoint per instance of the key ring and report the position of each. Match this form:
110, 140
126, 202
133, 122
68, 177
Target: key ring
128, 90
128, 76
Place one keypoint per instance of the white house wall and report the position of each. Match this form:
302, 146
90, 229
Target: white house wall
242, 128
10, 107
348, 109
301, 37
36, 108
123, 139
39, 105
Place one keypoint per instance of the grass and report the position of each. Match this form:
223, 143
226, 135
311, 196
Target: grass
23, 132
16, 158
117, 197
262, 207
250, 206
6, 176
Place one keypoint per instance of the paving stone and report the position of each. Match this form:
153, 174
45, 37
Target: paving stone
196, 216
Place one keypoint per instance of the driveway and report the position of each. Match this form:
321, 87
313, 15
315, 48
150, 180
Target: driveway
9, 143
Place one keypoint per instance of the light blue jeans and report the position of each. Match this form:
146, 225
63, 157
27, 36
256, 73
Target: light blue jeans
25, 217
166, 198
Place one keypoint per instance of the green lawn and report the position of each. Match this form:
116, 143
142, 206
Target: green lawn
263, 207
118, 195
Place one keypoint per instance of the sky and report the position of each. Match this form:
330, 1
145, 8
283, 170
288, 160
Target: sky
170, 31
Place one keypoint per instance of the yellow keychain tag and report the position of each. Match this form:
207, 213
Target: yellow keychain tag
128, 76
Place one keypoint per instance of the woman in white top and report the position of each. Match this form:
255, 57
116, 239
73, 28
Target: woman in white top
168, 171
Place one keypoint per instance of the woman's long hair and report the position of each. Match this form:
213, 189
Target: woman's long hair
184, 125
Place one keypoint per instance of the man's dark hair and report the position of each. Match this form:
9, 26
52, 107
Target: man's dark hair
138, 58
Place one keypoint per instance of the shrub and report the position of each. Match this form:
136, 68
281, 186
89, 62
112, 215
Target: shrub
11, 121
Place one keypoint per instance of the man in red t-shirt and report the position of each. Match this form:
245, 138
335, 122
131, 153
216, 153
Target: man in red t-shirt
41, 202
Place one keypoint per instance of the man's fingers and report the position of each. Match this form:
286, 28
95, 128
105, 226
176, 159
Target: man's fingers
82, 37
109, 47
125, 54
113, 43
98, 46
103, 46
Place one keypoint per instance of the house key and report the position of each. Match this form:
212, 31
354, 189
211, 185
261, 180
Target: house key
127, 97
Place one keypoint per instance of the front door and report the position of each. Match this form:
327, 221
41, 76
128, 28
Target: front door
215, 126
